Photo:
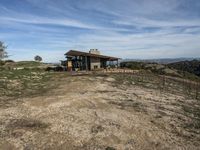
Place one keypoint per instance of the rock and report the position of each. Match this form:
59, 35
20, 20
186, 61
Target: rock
110, 79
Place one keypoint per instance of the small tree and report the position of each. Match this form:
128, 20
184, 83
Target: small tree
38, 58
3, 53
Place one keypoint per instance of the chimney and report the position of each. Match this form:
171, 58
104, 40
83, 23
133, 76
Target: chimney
94, 51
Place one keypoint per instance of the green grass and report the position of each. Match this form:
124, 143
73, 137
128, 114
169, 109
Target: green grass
189, 76
25, 82
27, 64
21, 64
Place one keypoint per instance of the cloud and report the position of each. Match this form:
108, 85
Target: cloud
123, 28
29, 54
143, 22
47, 21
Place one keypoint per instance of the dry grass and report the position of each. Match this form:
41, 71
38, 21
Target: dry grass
103, 111
15, 84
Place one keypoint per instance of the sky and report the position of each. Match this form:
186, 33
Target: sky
129, 29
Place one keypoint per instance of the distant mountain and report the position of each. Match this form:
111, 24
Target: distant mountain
162, 60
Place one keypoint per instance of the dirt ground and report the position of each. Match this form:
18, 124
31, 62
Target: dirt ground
95, 112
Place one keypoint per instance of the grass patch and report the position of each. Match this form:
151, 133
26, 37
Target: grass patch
26, 64
194, 113
189, 90
18, 127
125, 104
15, 84
153, 81
26, 124
96, 129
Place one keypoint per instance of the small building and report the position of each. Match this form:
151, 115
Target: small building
93, 60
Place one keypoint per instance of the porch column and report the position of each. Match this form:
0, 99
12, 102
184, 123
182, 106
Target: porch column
86, 63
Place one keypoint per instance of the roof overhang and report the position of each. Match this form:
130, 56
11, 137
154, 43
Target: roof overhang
79, 53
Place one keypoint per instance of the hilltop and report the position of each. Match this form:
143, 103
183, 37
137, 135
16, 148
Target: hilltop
188, 66
161, 60
10, 64
99, 110
183, 69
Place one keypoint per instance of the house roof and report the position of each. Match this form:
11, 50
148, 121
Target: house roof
79, 53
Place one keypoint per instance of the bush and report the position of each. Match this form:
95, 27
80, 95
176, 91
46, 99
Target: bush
38, 58
2, 68
9, 61
2, 62
132, 65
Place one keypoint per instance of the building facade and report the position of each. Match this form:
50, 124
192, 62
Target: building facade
93, 60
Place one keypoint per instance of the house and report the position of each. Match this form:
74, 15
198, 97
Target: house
93, 60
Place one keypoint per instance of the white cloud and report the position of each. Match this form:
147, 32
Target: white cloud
42, 20
143, 22
29, 54
117, 28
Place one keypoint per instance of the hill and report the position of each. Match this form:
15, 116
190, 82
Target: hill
97, 111
185, 69
188, 66
12, 65
161, 60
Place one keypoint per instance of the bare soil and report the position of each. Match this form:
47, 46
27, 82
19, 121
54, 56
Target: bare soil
99, 112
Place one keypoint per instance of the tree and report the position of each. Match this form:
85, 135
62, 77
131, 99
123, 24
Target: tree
38, 58
3, 53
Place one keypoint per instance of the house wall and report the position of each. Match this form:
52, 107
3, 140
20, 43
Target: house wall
95, 63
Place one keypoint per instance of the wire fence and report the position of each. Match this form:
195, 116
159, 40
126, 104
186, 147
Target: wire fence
164, 83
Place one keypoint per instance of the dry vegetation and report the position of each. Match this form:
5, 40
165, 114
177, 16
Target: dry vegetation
41, 110
15, 84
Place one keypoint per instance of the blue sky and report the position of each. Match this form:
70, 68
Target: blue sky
143, 29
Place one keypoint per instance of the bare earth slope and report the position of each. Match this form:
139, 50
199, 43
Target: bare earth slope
94, 112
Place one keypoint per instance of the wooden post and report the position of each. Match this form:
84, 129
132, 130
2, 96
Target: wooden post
117, 65
86, 63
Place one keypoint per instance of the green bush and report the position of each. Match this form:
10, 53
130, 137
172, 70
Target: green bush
2, 62
132, 65
9, 61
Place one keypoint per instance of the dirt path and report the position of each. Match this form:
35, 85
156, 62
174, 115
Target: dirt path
92, 112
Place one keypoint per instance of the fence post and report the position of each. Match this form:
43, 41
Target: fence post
197, 91
163, 83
